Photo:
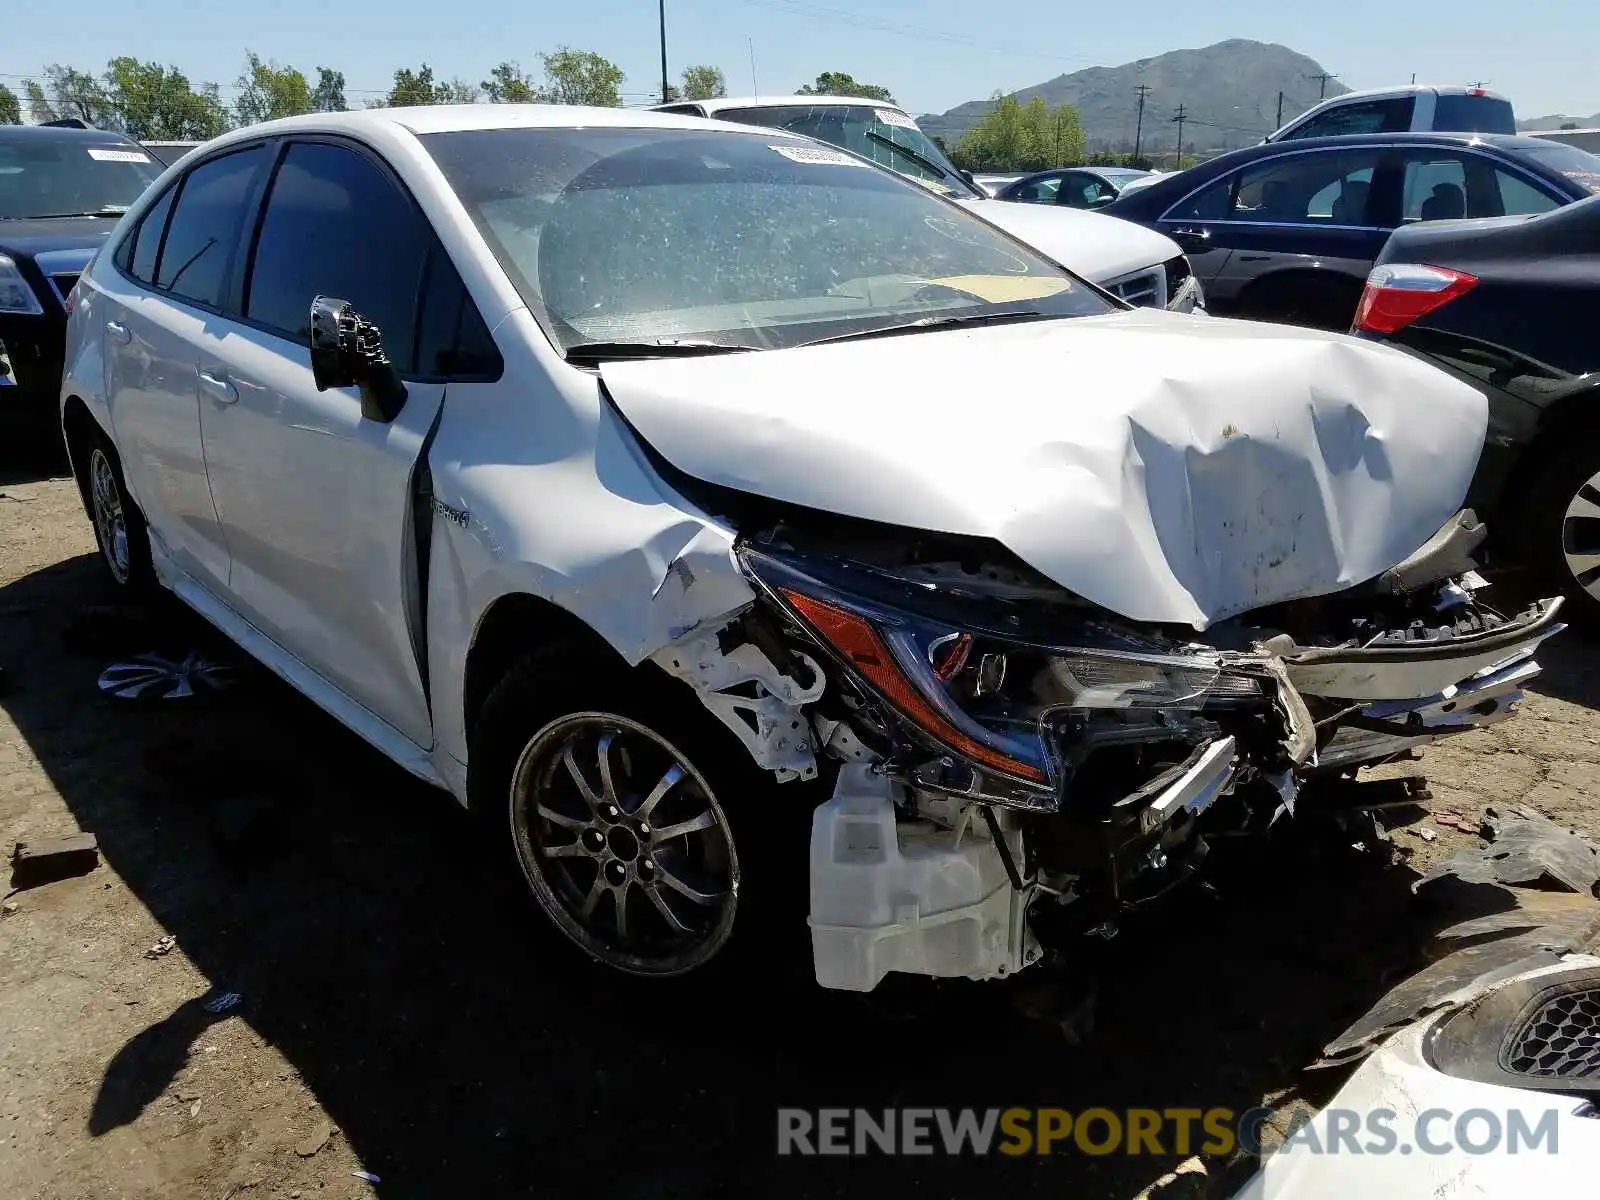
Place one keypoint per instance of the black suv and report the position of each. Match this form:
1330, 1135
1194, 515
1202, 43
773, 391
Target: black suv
61, 192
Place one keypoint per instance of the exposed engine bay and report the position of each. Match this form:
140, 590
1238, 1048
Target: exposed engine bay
1012, 765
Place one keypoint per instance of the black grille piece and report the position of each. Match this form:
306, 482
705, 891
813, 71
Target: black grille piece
1560, 1039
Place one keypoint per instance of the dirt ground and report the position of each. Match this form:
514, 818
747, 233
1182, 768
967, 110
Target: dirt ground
401, 1015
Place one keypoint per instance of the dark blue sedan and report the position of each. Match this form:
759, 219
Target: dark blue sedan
1287, 231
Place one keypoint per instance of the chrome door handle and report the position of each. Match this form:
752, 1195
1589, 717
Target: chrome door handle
1203, 234
119, 332
221, 389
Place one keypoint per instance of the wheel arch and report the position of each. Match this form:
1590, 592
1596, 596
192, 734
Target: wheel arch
516, 624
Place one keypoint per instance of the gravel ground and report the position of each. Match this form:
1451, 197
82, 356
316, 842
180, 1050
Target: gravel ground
400, 1015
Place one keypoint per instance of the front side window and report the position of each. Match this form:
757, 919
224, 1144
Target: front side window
205, 226
336, 226
1367, 116
886, 136
1084, 191
746, 240
1036, 191
1319, 187
71, 177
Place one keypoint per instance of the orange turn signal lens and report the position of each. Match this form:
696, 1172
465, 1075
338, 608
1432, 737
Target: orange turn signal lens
855, 638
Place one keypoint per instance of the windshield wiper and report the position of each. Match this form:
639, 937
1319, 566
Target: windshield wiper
921, 160
660, 348
108, 211
924, 324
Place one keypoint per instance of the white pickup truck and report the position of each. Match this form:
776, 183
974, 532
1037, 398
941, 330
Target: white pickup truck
1139, 265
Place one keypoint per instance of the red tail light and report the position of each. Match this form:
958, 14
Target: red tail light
1400, 293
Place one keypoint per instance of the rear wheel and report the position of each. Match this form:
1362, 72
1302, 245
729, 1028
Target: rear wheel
1303, 300
1563, 530
119, 527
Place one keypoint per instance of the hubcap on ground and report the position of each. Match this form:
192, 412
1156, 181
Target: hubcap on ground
110, 527
1580, 536
624, 844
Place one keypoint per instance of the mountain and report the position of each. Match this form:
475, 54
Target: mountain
1556, 121
1229, 92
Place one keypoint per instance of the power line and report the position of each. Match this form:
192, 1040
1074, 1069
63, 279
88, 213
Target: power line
1323, 80
1180, 117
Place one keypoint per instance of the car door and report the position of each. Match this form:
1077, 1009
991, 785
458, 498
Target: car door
316, 500
1309, 210
160, 301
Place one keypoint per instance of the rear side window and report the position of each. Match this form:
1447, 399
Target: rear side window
205, 227
1473, 114
145, 244
1445, 185
1366, 116
1037, 191
336, 226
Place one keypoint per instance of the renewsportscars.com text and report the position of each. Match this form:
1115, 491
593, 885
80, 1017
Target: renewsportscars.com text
1157, 1131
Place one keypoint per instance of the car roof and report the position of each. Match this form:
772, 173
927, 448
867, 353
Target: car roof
454, 118
63, 133
1407, 89
1501, 141
713, 107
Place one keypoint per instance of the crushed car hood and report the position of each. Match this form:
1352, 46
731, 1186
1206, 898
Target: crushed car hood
1167, 468
1098, 247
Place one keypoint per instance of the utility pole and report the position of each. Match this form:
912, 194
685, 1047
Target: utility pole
664, 84
1180, 117
1322, 91
1279, 125
1138, 129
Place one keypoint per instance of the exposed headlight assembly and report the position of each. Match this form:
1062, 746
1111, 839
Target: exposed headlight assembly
985, 695
15, 294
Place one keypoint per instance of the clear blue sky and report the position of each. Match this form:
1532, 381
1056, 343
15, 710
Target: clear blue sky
932, 54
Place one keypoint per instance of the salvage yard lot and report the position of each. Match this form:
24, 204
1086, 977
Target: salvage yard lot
401, 1014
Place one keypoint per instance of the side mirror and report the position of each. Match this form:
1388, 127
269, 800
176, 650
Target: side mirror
347, 351
1100, 201
971, 182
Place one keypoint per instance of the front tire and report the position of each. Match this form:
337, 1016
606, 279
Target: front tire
120, 531
625, 804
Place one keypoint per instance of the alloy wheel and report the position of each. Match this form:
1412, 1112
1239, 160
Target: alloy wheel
1580, 536
624, 844
110, 523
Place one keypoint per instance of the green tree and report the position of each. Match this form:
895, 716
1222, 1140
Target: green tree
1569, 125
509, 84
1011, 137
10, 107
328, 95
704, 83
267, 90
411, 87
67, 92
157, 103
837, 83
457, 91
580, 77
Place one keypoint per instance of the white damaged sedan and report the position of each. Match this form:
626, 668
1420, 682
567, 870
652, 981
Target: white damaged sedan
646, 481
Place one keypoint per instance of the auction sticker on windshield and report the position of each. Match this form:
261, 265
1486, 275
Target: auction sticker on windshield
103, 154
887, 116
817, 156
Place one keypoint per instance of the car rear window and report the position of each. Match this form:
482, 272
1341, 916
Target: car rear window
1577, 165
1473, 114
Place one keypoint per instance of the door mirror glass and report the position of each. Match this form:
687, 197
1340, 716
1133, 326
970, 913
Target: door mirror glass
347, 351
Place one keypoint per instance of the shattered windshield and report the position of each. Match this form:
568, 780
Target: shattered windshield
71, 177
742, 240
885, 135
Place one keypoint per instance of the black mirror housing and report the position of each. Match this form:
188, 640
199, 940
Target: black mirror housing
347, 351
